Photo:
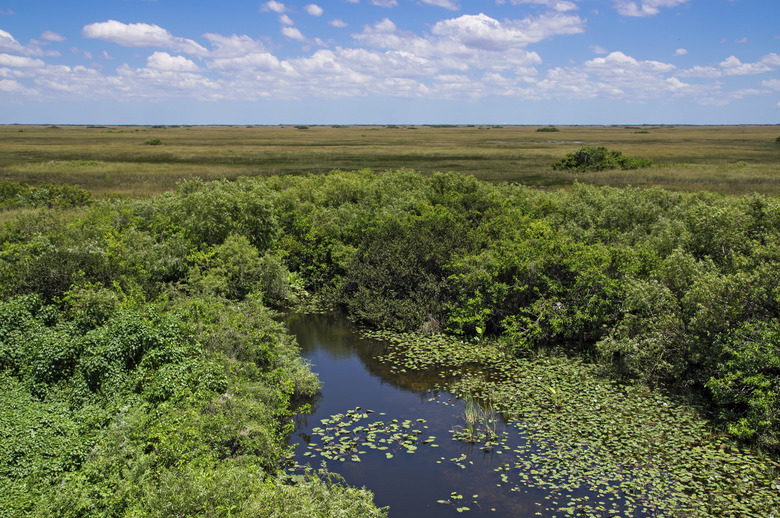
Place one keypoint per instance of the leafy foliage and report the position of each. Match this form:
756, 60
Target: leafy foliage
131, 319
17, 195
592, 158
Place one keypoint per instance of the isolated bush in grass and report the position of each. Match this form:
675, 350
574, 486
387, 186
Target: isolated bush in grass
777, 140
591, 158
154, 142
548, 129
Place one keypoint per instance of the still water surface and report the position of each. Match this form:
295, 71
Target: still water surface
410, 483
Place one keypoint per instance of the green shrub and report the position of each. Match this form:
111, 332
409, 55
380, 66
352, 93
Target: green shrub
16, 195
590, 158
746, 387
154, 142
548, 129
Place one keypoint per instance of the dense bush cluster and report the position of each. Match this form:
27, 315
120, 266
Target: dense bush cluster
136, 318
141, 371
592, 158
676, 290
15, 195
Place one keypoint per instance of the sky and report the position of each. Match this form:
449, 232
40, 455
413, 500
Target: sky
390, 62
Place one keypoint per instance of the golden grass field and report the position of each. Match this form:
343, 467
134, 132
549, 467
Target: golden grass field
118, 160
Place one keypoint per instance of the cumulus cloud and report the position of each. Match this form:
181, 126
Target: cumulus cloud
557, 5
11, 86
276, 7
732, 66
645, 7
164, 61
384, 3
8, 43
621, 64
680, 52
52, 36
286, 20
483, 32
774, 84
8, 60
314, 10
447, 4
140, 35
339, 24
293, 34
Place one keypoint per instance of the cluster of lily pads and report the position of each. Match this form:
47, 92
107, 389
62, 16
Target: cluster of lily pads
346, 436
596, 447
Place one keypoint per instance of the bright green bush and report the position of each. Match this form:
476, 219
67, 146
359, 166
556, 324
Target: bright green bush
746, 385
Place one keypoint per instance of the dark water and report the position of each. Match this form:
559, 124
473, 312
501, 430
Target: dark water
410, 483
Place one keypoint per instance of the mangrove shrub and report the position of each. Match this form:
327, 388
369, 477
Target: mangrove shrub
591, 158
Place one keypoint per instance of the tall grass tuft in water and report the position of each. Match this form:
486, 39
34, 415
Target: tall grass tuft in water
479, 422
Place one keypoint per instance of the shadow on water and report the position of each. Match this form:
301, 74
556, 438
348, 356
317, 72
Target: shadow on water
393, 433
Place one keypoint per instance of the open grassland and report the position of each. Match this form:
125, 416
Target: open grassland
119, 159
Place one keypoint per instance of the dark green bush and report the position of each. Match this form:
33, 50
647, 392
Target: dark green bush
590, 158
153, 142
548, 129
17, 195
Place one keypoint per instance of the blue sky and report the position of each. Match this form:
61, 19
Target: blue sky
390, 61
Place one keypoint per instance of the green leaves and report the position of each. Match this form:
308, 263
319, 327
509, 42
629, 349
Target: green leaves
591, 158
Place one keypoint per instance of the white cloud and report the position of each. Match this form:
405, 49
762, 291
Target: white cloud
447, 4
8, 60
293, 34
774, 84
557, 5
598, 49
276, 7
680, 52
8, 43
140, 35
11, 86
233, 46
741, 40
314, 10
620, 63
644, 7
164, 61
483, 32
339, 24
286, 20
732, 66
384, 3
52, 36
249, 63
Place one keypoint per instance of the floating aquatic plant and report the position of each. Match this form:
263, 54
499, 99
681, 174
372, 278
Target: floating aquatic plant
342, 437
597, 447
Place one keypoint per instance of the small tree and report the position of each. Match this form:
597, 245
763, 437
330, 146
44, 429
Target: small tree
590, 158
777, 140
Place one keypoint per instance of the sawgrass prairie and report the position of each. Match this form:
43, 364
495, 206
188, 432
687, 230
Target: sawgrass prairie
141, 161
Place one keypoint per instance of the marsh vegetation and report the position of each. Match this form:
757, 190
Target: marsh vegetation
114, 160
631, 332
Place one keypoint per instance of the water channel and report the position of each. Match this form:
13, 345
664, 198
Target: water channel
434, 478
